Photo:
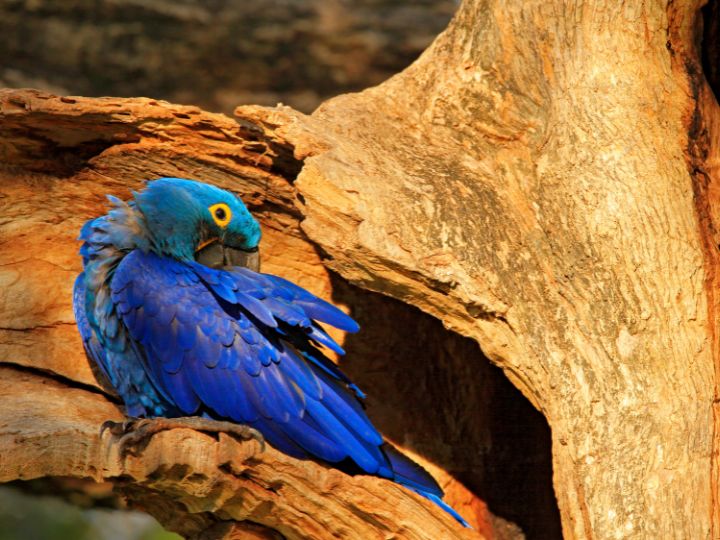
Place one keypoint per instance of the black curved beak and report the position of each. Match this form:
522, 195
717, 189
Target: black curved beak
216, 255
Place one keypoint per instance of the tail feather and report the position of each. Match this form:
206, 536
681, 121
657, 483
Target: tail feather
445, 506
411, 475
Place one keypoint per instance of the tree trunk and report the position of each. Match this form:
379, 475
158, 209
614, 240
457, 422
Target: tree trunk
543, 180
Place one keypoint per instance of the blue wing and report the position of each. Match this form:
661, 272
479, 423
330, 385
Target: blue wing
245, 346
92, 346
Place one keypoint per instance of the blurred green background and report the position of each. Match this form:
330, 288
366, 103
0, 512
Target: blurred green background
31, 517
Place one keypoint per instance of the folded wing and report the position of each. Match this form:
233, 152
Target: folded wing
246, 347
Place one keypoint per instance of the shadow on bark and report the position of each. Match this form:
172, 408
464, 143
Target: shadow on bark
422, 382
710, 47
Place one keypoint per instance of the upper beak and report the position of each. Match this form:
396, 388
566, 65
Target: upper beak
216, 255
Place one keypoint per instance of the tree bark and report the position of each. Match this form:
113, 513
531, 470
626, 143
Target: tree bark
543, 180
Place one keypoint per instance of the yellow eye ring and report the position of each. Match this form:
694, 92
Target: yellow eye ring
221, 214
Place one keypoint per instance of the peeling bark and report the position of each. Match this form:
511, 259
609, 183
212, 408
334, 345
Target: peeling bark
543, 180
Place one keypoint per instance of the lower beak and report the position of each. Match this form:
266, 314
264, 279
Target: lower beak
215, 255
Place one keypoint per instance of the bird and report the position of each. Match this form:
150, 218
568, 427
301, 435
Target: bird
179, 321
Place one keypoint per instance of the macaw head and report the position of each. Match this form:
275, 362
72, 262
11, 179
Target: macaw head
191, 220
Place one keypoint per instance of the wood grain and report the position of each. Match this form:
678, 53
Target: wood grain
543, 180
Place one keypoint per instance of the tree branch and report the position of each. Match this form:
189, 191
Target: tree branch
543, 180
192, 481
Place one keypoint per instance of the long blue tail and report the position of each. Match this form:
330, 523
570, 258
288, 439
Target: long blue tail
414, 477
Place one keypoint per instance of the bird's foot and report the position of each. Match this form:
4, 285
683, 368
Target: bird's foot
118, 429
135, 433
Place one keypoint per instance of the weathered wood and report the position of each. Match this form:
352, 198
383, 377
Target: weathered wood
543, 180
554, 214
73, 151
192, 481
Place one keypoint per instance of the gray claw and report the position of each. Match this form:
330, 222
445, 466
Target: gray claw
134, 431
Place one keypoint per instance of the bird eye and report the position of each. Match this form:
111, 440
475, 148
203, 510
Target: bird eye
221, 214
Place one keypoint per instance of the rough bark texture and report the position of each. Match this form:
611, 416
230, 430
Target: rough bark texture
72, 151
543, 180
192, 481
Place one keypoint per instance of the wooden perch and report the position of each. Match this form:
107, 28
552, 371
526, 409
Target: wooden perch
191, 481
85, 148
543, 180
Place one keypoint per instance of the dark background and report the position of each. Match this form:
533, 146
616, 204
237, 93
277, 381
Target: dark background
216, 54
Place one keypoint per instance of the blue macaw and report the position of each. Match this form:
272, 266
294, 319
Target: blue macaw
174, 316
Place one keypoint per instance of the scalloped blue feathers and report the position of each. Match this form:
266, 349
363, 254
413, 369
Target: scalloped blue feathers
176, 338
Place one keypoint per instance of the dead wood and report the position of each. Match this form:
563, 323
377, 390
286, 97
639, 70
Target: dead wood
543, 180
